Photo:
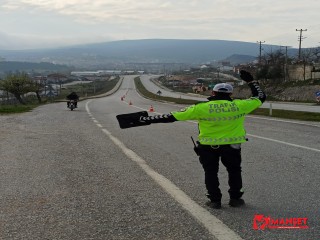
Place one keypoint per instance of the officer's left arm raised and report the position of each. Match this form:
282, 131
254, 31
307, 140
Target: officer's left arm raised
254, 85
257, 91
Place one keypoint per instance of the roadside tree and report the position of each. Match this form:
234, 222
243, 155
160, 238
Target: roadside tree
271, 66
19, 84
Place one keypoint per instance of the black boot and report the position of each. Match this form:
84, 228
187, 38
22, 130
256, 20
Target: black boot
236, 202
215, 205
214, 202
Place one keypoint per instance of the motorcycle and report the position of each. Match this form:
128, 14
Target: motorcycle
71, 104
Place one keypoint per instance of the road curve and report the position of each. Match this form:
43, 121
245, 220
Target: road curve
77, 175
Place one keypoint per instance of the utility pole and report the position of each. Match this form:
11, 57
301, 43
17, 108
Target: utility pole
300, 39
260, 50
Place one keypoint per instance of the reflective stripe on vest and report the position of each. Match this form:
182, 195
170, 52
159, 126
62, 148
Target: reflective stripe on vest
222, 140
217, 119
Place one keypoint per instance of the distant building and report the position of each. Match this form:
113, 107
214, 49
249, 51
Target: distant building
203, 67
226, 68
85, 73
56, 77
104, 72
40, 79
109, 72
225, 63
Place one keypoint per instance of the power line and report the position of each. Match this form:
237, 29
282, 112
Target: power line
300, 39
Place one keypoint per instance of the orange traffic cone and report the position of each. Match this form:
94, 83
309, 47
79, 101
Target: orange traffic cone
151, 109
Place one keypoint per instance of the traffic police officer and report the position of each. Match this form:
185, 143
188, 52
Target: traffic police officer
221, 132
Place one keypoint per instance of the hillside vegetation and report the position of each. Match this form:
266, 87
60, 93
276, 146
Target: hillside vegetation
302, 91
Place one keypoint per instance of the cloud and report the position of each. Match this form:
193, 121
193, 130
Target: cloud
98, 11
245, 20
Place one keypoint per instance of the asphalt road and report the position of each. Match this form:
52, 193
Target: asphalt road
77, 175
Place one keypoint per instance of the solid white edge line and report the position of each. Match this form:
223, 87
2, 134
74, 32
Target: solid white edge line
216, 227
285, 143
285, 121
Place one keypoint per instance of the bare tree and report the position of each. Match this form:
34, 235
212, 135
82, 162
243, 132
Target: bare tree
316, 54
307, 57
271, 67
37, 87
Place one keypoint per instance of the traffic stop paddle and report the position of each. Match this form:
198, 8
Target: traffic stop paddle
132, 119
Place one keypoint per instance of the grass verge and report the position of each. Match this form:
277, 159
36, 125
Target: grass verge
305, 116
90, 89
84, 90
285, 114
7, 109
143, 91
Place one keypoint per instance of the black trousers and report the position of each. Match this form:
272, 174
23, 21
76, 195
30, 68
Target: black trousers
230, 156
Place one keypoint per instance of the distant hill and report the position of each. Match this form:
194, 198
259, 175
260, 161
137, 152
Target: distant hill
236, 59
150, 51
183, 51
12, 66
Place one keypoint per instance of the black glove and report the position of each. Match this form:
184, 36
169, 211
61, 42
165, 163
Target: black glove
246, 76
132, 119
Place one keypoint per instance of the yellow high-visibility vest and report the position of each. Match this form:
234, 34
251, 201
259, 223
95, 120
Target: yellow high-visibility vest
220, 121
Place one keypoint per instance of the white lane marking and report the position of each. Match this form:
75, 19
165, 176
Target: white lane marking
264, 138
286, 121
216, 227
286, 143
278, 141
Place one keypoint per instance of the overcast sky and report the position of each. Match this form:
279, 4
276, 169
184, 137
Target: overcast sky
53, 23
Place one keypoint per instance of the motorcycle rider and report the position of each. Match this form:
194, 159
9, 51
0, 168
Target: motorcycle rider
221, 132
72, 96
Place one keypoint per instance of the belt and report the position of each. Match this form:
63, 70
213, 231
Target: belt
209, 146
236, 146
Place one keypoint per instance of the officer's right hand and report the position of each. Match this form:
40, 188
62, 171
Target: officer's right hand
246, 76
